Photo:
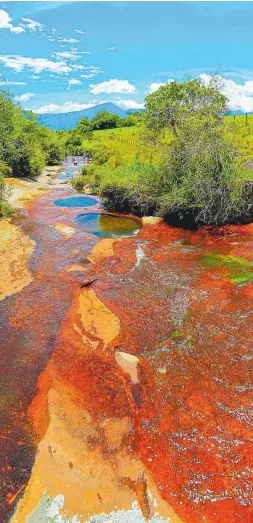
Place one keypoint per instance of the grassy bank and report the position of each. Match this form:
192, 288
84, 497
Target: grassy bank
129, 180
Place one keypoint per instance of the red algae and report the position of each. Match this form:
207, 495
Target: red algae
175, 417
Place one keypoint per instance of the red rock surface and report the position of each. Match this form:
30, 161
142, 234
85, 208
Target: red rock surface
190, 327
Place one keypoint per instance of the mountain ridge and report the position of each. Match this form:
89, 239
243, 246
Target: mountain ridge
67, 121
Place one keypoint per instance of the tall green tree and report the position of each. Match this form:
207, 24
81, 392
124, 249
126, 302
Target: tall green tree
172, 104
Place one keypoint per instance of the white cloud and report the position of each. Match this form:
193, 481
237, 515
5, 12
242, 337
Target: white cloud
67, 107
5, 23
91, 71
111, 48
130, 104
156, 85
113, 86
17, 30
32, 25
79, 32
36, 65
13, 83
88, 76
70, 55
24, 97
73, 81
67, 40
240, 96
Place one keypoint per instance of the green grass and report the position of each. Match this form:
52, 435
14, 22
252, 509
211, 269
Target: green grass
123, 132
241, 137
123, 144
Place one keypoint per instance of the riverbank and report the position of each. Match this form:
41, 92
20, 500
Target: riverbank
125, 378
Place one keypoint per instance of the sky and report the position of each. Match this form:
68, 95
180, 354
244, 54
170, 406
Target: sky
67, 56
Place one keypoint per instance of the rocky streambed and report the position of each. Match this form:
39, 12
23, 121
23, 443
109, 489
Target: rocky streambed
125, 368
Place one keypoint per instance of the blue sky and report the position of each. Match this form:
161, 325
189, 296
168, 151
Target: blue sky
63, 56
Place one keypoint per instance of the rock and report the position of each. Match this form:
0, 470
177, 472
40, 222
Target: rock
129, 364
65, 230
151, 220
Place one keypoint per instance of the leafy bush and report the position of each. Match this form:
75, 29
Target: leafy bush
79, 183
200, 171
5, 209
24, 145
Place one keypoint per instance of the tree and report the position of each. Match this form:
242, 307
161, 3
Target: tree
132, 119
105, 120
25, 147
199, 172
169, 106
84, 125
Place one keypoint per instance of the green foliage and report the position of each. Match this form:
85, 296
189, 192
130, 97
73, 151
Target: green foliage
25, 147
100, 154
172, 104
132, 119
5, 209
199, 172
105, 120
79, 183
84, 126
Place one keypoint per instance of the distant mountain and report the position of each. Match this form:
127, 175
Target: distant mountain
237, 112
66, 121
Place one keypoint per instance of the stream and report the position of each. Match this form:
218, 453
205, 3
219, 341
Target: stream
125, 368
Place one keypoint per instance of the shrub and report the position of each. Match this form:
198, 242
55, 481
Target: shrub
100, 154
5, 209
79, 183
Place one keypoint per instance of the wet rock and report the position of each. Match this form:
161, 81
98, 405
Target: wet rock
129, 364
65, 230
151, 220
88, 283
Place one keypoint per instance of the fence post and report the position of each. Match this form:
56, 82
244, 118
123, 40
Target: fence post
246, 119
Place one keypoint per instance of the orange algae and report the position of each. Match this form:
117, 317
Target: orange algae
185, 433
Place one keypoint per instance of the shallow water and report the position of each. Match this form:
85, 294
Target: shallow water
107, 226
69, 168
76, 201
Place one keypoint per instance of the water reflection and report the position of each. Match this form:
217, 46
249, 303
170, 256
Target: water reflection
72, 164
76, 201
106, 226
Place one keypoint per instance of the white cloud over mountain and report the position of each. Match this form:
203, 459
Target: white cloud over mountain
130, 104
113, 86
67, 107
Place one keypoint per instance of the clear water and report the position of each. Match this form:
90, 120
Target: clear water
106, 226
69, 168
68, 172
76, 201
